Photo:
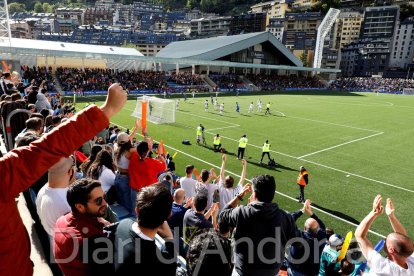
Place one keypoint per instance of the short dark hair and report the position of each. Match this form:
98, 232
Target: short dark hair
154, 204
189, 169
204, 175
45, 112
228, 181
142, 149
347, 267
34, 123
27, 138
205, 252
56, 120
264, 187
78, 192
16, 96
200, 201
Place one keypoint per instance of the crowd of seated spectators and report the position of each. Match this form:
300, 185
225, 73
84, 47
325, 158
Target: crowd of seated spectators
96, 79
393, 85
185, 78
276, 82
93, 169
38, 75
226, 81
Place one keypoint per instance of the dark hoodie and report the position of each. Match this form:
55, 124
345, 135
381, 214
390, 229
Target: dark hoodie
268, 228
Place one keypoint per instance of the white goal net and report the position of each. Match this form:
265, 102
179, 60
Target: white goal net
408, 91
159, 111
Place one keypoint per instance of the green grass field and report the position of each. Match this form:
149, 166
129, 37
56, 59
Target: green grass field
354, 145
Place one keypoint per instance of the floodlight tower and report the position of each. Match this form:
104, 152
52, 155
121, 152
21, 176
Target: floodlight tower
323, 30
5, 33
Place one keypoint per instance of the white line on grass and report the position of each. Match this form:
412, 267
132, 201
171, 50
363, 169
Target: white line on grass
340, 145
329, 123
352, 103
325, 166
248, 180
218, 128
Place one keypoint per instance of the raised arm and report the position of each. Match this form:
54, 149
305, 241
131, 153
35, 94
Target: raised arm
135, 129
395, 223
31, 162
362, 229
223, 166
243, 174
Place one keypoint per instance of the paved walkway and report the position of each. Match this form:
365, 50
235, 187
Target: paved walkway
36, 255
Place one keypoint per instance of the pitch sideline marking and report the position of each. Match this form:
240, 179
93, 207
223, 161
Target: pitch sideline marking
248, 180
328, 167
340, 145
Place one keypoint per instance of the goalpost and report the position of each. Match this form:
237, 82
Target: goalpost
158, 111
408, 91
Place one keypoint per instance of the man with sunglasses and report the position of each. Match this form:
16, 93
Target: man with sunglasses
398, 246
18, 172
83, 223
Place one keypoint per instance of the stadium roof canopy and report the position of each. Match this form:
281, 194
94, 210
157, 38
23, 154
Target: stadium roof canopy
216, 47
63, 49
26, 50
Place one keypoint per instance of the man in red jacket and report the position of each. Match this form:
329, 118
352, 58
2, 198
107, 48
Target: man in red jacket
21, 167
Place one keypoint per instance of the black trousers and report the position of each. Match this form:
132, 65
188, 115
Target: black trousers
263, 154
217, 147
302, 192
240, 153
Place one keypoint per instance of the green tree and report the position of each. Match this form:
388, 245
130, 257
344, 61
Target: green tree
46, 7
17, 7
38, 7
304, 58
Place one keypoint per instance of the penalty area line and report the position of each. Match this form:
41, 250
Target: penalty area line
248, 180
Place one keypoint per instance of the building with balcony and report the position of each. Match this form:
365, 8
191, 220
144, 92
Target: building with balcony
346, 29
248, 23
212, 26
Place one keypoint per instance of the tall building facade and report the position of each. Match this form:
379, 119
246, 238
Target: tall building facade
403, 45
371, 54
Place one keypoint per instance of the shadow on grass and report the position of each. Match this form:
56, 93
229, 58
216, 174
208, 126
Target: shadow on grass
337, 213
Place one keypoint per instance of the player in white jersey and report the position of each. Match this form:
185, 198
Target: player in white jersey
259, 105
206, 105
216, 104
221, 108
251, 106
177, 104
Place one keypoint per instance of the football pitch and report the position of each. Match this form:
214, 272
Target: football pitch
354, 146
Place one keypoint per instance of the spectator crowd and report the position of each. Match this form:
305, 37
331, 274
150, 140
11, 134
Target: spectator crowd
113, 205
390, 85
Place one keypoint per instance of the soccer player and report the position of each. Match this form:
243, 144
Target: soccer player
221, 108
215, 104
177, 104
193, 94
259, 105
267, 108
251, 106
206, 105
237, 107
